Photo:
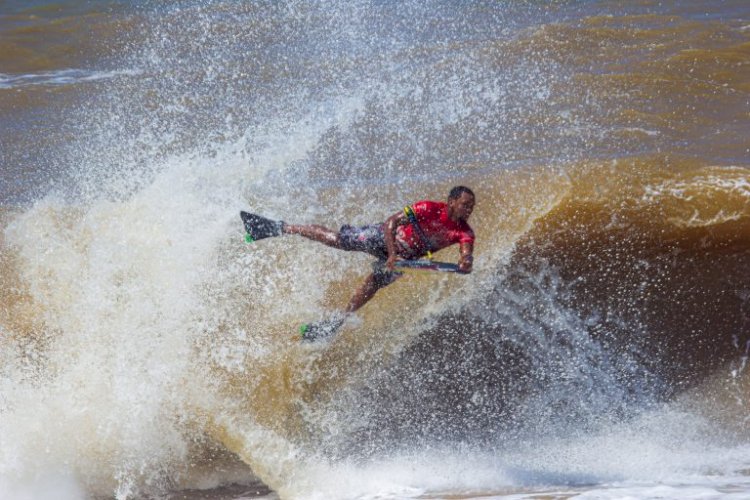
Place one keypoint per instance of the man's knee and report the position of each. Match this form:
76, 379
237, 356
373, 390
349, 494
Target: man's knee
334, 240
382, 277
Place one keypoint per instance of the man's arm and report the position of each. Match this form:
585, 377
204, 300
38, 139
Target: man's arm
467, 258
395, 220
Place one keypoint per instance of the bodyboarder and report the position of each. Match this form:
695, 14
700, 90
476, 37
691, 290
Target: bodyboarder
417, 231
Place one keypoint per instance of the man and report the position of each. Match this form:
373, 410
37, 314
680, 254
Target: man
419, 230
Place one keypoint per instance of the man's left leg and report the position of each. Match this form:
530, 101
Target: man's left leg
315, 232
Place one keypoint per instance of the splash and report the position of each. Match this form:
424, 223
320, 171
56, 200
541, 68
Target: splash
147, 348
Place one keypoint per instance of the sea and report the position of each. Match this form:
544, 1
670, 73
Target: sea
598, 350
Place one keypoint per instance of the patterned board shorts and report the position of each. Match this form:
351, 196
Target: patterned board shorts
369, 239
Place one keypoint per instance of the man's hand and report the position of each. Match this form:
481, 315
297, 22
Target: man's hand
464, 265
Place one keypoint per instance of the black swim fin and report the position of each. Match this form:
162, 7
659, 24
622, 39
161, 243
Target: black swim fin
321, 330
258, 227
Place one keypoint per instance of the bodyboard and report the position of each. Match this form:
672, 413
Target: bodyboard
427, 265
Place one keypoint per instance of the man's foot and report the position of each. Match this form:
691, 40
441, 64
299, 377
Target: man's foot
258, 227
320, 330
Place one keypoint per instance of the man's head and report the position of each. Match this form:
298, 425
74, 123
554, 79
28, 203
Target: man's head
460, 203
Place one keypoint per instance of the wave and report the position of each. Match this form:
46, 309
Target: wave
61, 77
601, 289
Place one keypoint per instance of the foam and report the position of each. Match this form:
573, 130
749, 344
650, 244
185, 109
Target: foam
665, 454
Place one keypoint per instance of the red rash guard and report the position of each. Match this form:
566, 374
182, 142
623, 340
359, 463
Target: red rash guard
439, 229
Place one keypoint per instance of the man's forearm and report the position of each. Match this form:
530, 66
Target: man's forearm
466, 259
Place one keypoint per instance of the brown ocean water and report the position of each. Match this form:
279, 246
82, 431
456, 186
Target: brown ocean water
598, 350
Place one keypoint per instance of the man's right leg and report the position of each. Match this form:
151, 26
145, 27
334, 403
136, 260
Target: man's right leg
379, 278
363, 294
327, 328
316, 233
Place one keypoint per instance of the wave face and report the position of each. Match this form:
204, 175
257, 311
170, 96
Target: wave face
601, 340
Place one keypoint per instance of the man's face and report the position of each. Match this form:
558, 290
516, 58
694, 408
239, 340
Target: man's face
461, 207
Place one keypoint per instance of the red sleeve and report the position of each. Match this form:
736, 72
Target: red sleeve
467, 236
425, 209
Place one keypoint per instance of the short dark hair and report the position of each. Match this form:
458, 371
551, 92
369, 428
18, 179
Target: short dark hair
457, 191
